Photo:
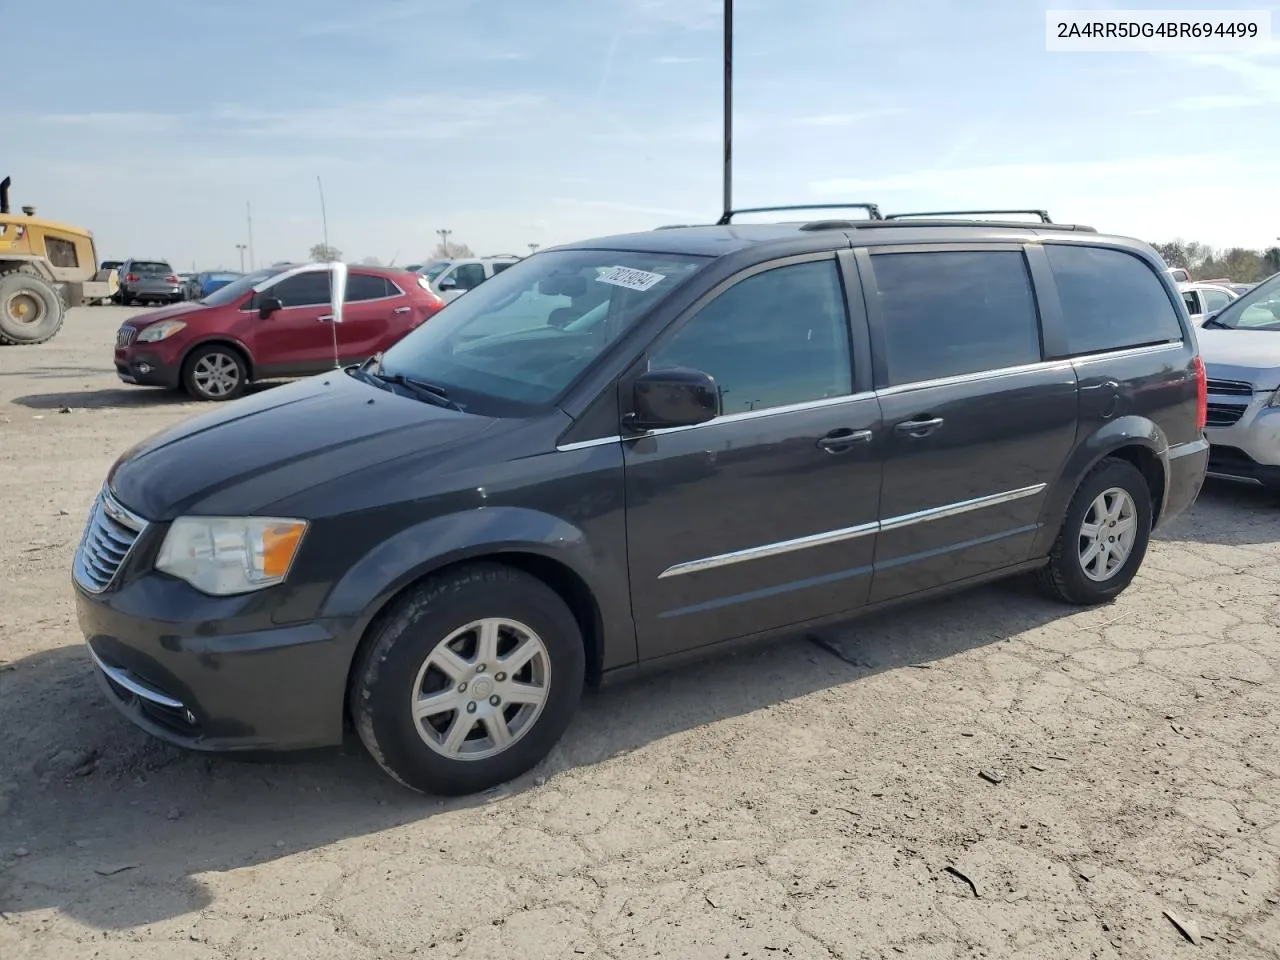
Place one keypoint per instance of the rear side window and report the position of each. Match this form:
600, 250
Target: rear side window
499, 267
1110, 300
952, 313
365, 286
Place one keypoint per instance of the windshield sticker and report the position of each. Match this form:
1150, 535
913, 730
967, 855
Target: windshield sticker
630, 278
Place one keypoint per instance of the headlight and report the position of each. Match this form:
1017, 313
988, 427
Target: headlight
158, 331
229, 555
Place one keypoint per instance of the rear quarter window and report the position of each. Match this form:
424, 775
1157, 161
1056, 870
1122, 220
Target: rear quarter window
947, 314
1111, 300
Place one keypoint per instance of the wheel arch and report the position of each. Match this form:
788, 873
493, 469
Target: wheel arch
1138, 441
549, 548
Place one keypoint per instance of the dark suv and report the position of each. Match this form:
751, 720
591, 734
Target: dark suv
621, 451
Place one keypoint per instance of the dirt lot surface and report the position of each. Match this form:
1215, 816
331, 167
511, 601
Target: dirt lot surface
991, 775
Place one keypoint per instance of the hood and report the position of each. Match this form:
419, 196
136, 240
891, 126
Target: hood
1252, 356
164, 313
250, 453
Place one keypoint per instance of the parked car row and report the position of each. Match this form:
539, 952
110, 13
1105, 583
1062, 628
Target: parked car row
145, 281
614, 454
267, 325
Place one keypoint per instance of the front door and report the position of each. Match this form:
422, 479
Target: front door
294, 340
765, 516
976, 425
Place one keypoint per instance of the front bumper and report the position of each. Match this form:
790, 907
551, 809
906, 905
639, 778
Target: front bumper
1248, 447
212, 673
147, 368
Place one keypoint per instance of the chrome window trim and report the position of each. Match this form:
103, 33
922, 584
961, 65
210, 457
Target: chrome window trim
1063, 362
122, 679
850, 533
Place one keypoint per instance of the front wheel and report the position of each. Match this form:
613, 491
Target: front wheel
1104, 536
469, 681
215, 373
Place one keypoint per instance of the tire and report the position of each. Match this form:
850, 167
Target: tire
400, 665
125, 299
31, 311
215, 372
1108, 484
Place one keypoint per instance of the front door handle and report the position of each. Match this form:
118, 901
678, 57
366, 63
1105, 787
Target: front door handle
842, 439
918, 428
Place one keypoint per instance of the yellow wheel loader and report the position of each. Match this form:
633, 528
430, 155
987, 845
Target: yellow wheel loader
45, 268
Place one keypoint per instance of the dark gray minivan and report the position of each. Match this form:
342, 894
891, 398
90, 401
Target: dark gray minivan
622, 451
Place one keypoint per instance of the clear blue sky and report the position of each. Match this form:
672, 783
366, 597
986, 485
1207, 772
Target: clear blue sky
518, 121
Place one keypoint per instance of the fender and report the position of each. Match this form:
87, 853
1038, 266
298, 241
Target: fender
370, 583
1128, 431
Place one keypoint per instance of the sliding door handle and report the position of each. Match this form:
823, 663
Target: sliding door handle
838, 441
918, 428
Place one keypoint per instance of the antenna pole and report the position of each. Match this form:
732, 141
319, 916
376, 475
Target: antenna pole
248, 216
728, 106
324, 217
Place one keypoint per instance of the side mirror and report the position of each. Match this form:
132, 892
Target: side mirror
676, 397
267, 306
448, 283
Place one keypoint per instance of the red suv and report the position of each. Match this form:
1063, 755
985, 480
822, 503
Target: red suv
267, 325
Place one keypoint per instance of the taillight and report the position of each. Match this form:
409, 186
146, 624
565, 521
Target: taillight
1202, 394
132, 277
172, 278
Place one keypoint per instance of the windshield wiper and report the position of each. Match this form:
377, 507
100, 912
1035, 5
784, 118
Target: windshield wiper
421, 389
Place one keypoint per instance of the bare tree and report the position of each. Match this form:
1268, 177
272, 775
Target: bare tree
449, 251
371, 262
323, 251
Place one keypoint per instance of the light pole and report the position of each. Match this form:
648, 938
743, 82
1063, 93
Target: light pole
242, 247
728, 106
533, 247
444, 240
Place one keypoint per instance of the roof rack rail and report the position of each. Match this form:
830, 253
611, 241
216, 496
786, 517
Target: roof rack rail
944, 214
673, 226
873, 210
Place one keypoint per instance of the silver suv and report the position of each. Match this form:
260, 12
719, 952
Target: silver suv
1241, 349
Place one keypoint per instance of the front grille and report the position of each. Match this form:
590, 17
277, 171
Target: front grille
125, 335
108, 537
1231, 388
1224, 415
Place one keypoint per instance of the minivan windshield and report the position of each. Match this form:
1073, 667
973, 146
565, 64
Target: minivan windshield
1259, 309
238, 287
520, 339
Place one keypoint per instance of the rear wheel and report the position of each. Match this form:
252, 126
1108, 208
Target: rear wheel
470, 681
31, 311
215, 372
1104, 537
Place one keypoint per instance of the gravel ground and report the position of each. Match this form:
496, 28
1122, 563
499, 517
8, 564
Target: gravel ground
991, 775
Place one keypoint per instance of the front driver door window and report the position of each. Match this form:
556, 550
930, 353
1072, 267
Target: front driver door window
757, 518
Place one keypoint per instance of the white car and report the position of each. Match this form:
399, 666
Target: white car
1205, 299
452, 278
